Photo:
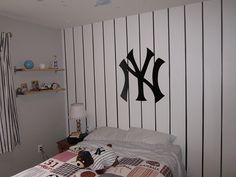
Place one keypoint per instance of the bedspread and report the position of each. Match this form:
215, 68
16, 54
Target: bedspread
130, 165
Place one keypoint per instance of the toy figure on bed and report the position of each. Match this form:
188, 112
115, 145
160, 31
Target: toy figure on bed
99, 160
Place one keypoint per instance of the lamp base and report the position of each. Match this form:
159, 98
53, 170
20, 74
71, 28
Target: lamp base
75, 134
78, 126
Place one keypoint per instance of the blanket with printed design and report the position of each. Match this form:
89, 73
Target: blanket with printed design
64, 165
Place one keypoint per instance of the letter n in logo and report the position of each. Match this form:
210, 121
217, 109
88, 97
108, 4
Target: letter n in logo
140, 76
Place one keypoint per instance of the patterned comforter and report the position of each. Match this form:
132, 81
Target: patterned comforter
64, 165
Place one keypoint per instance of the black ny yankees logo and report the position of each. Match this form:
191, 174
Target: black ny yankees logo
140, 76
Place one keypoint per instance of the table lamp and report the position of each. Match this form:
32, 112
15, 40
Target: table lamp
77, 112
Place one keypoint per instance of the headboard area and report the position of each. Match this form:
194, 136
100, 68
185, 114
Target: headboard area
161, 70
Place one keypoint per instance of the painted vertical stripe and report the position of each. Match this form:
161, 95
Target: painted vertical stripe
73, 37
168, 26
222, 91
154, 51
117, 108
140, 65
203, 91
127, 50
84, 68
68, 122
186, 92
104, 61
94, 79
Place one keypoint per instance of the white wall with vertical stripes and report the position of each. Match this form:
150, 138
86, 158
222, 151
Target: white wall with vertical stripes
197, 43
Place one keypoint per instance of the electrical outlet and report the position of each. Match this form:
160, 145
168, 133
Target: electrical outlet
40, 147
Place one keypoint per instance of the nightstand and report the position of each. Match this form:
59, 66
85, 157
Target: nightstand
66, 143
63, 145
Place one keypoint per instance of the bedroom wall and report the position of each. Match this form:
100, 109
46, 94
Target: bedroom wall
197, 43
41, 117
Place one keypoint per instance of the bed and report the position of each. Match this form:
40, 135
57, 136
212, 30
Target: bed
139, 153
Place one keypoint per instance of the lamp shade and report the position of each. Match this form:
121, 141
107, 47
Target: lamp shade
77, 111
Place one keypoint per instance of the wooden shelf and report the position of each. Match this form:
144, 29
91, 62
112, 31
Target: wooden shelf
43, 91
38, 69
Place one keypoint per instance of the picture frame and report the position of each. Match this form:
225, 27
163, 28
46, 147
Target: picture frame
24, 87
35, 85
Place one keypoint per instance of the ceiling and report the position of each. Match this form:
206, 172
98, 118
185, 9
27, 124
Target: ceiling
68, 13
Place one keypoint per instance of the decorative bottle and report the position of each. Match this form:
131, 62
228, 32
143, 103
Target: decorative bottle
55, 62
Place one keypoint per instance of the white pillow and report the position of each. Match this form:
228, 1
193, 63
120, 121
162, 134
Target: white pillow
107, 133
148, 136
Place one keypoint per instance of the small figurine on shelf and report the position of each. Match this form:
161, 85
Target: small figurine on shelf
55, 86
55, 62
45, 86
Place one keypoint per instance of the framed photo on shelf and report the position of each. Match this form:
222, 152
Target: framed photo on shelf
35, 85
24, 87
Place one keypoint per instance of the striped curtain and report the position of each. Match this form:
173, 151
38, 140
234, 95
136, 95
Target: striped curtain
9, 130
